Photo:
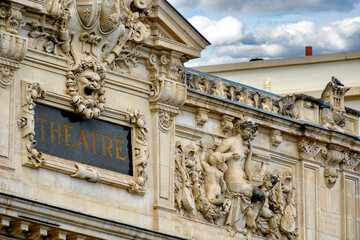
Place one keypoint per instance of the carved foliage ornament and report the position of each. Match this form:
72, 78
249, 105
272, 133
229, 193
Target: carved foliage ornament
310, 150
26, 122
135, 184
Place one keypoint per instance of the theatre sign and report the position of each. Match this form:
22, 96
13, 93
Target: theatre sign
93, 142
112, 151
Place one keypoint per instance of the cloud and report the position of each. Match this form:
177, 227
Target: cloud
224, 31
285, 40
267, 6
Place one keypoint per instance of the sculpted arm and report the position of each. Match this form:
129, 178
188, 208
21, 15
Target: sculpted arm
248, 161
224, 146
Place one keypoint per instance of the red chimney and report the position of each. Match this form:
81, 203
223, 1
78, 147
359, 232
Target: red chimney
308, 51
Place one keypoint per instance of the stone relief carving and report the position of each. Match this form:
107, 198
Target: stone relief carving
95, 56
297, 106
11, 18
331, 173
201, 117
135, 184
167, 93
12, 46
220, 88
128, 59
282, 221
226, 124
86, 172
141, 152
275, 138
85, 86
351, 160
311, 150
220, 184
26, 122
333, 156
333, 114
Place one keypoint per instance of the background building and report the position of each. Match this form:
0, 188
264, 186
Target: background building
308, 74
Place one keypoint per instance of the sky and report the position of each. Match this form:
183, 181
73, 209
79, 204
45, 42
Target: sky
240, 30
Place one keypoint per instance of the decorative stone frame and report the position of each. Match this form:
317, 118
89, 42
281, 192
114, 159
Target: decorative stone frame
32, 93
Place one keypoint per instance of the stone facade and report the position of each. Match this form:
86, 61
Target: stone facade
210, 159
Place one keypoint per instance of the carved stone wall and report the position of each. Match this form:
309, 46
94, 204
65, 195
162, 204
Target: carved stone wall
211, 159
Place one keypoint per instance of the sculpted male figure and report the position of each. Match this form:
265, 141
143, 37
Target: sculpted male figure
237, 177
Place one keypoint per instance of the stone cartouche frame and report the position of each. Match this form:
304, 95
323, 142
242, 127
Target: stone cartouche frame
32, 93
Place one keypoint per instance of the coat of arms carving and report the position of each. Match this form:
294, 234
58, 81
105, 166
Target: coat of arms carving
88, 12
106, 12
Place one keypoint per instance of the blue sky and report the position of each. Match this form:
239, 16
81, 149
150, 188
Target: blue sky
243, 29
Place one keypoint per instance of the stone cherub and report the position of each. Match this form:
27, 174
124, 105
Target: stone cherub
237, 177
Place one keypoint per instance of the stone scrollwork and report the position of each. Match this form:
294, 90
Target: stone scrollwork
86, 172
26, 122
167, 93
220, 184
331, 173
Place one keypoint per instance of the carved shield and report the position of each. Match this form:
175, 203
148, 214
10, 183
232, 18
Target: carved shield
109, 16
88, 12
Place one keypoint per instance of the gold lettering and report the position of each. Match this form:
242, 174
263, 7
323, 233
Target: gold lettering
107, 147
58, 131
119, 148
94, 134
68, 135
42, 120
84, 142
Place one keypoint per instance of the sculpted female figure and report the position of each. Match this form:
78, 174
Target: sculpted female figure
237, 177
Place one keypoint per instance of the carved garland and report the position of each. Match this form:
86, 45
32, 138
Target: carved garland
35, 159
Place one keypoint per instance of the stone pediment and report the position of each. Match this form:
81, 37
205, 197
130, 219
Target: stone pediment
170, 30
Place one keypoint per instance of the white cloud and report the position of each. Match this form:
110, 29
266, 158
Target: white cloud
224, 31
269, 6
286, 40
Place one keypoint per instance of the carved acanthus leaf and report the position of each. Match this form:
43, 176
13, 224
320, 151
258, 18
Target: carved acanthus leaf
351, 160
310, 150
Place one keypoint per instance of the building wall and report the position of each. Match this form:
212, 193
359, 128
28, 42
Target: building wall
186, 130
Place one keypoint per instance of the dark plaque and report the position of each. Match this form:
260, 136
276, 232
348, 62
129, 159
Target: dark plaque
92, 142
